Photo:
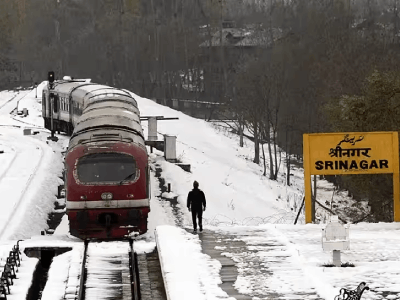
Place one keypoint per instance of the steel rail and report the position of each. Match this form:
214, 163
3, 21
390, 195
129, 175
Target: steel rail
135, 283
82, 280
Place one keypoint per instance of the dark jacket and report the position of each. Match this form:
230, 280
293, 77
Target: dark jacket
196, 200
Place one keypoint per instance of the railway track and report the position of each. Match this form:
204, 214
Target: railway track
9, 100
12, 171
112, 270
109, 271
17, 97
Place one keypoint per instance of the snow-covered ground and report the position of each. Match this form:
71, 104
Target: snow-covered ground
241, 203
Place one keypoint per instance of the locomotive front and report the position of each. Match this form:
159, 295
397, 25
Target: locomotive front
107, 173
107, 190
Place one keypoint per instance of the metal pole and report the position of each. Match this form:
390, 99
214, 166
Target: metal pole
396, 178
51, 115
314, 198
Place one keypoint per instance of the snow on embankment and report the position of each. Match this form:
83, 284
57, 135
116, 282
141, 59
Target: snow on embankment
236, 191
39, 198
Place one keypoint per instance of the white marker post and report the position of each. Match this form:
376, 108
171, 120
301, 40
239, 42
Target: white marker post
335, 237
170, 148
152, 134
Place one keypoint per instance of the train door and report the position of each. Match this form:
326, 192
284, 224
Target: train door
56, 112
56, 106
45, 105
71, 112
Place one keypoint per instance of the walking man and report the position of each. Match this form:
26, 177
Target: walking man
196, 203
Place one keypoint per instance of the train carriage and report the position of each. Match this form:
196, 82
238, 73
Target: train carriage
106, 164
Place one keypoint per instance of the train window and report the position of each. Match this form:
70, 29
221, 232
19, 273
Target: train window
106, 167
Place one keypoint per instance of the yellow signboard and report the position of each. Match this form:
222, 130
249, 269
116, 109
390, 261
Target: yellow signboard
351, 153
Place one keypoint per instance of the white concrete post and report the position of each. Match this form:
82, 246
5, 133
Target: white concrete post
336, 258
152, 134
170, 147
335, 237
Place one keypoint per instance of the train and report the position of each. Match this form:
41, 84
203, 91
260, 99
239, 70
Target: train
107, 174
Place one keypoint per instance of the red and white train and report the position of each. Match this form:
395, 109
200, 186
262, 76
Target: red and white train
106, 164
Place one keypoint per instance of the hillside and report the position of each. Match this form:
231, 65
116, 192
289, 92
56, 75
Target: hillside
236, 191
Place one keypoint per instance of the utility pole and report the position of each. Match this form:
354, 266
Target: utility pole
121, 63
224, 80
58, 16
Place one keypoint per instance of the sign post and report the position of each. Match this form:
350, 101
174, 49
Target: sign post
396, 178
51, 78
351, 153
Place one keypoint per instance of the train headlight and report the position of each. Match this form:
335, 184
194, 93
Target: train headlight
106, 196
83, 197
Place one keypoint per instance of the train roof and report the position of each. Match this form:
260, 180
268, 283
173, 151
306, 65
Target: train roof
63, 86
100, 135
102, 107
117, 117
106, 103
102, 94
89, 92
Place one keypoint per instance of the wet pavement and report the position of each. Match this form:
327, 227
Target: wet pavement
250, 275
150, 276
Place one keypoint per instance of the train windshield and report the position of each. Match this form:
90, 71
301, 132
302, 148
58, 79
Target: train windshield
106, 167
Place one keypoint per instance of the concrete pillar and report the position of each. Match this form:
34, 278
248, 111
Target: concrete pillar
152, 134
336, 258
170, 147
27, 131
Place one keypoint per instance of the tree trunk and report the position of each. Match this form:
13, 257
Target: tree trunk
287, 168
241, 131
314, 198
271, 161
256, 145
276, 156
288, 152
265, 165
